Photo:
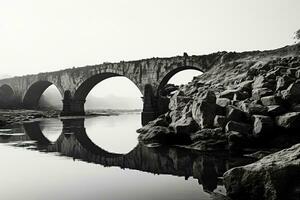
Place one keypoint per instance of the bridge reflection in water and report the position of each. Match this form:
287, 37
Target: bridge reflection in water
74, 142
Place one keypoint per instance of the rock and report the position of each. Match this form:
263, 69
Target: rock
261, 92
204, 110
228, 94
236, 141
223, 102
262, 82
207, 133
235, 114
158, 134
271, 100
292, 93
220, 121
208, 139
262, 126
289, 120
178, 100
274, 177
253, 108
283, 82
242, 128
296, 108
160, 121
245, 86
2, 122
185, 125
276, 110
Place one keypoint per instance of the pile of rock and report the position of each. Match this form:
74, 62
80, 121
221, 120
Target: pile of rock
261, 105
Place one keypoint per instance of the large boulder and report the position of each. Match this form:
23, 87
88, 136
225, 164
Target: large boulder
274, 177
292, 93
204, 109
235, 114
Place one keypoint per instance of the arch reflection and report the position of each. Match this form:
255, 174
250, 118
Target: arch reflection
74, 142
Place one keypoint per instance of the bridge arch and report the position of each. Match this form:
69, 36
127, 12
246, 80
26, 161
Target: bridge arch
171, 73
74, 104
34, 92
6, 91
83, 90
7, 96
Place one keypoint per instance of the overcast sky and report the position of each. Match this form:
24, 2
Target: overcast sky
47, 35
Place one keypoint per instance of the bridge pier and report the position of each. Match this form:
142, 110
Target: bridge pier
72, 107
150, 110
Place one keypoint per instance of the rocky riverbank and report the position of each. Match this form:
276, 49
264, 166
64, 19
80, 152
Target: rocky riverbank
8, 117
248, 100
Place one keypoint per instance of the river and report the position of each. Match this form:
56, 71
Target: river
100, 158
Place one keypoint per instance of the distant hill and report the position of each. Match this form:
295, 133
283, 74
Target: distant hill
108, 102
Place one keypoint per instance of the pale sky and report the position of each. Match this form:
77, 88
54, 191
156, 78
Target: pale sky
48, 35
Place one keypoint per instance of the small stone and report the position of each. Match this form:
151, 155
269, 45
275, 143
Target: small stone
289, 120
242, 128
235, 114
220, 121
261, 92
276, 110
223, 102
262, 126
271, 100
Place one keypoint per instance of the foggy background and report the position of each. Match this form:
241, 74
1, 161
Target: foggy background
40, 36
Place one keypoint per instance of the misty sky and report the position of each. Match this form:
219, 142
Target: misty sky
47, 35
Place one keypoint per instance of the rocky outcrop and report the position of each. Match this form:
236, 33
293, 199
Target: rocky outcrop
274, 177
247, 100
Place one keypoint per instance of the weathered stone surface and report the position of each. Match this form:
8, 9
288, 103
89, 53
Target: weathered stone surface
235, 114
161, 121
276, 110
223, 102
178, 100
261, 92
289, 120
236, 140
262, 126
292, 93
157, 134
253, 108
203, 110
185, 125
220, 121
283, 82
271, 100
242, 128
274, 177
208, 139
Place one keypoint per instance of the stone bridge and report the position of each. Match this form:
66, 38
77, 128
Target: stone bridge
74, 84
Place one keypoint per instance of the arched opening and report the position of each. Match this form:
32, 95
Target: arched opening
6, 96
181, 75
51, 99
171, 82
44, 132
184, 77
117, 102
33, 95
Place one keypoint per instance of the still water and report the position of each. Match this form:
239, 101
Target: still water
100, 158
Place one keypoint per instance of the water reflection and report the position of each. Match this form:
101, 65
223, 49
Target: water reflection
74, 142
